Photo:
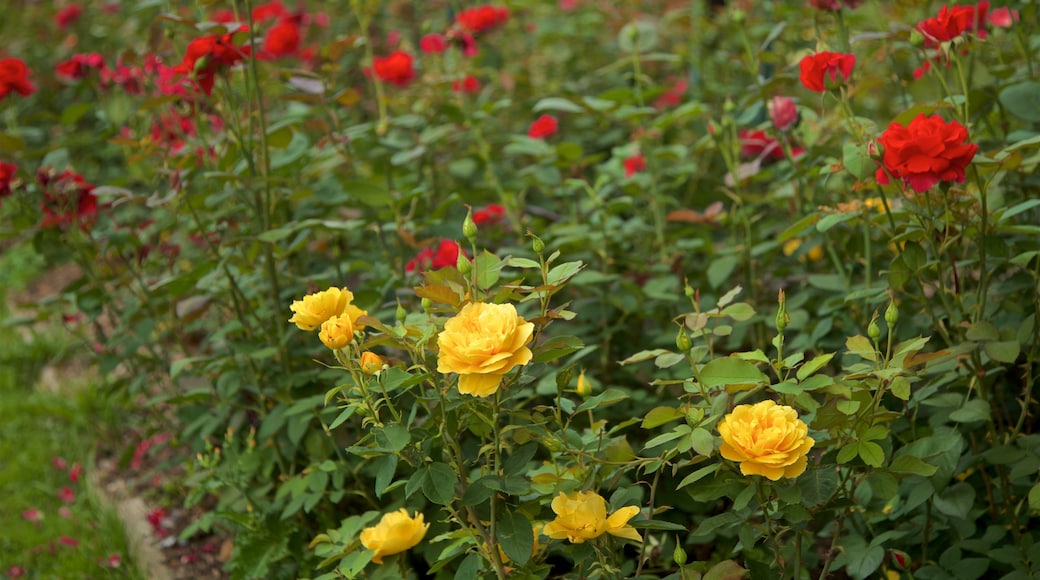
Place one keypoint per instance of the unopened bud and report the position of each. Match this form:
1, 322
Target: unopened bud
584, 388
682, 341
400, 314
371, 363
891, 315
469, 227
873, 330
537, 245
782, 317
462, 264
678, 554
426, 303
900, 559
688, 291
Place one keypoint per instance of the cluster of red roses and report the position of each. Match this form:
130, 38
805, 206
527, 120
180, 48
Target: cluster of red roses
447, 252
67, 199
956, 22
398, 67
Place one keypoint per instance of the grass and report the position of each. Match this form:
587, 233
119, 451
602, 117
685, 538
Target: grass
51, 526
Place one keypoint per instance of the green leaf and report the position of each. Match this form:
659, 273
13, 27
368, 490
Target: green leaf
1034, 498
810, 368
818, 484
563, 272
973, 410
720, 269
799, 226
516, 536
871, 453
557, 104
740, 311
856, 158
910, 465
660, 415
829, 221
1005, 351
386, 467
393, 438
439, 484
702, 441
861, 346
699, 474
847, 452
368, 193
488, 268
730, 371
725, 570
1022, 100
638, 36
469, 568
956, 501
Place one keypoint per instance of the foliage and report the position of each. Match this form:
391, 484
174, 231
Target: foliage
638, 181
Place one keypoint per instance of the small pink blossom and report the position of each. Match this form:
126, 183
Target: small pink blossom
67, 495
71, 542
65, 512
75, 472
33, 515
15, 572
783, 112
59, 463
1003, 17
115, 560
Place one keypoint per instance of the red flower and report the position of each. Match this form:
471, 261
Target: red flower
925, 152
758, 144
75, 472
71, 542
67, 15
269, 11
634, 164
32, 514
818, 69
207, 55
673, 96
79, 66
446, 255
114, 561
482, 18
433, 44
782, 112
14, 76
543, 127
8, 171
66, 494
492, 213
1003, 17
59, 463
396, 68
283, 39
224, 16
953, 22
470, 85
67, 198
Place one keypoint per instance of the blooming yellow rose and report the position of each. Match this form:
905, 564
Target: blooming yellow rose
395, 533
371, 363
582, 516
316, 308
767, 439
337, 332
481, 343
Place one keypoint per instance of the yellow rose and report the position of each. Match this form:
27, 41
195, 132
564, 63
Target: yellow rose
767, 439
582, 516
316, 308
337, 332
395, 533
372, 363
481, 343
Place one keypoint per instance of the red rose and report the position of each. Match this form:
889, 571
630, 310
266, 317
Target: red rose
67, 198
68, 15
482, 18
634, 164
269, 11
818, 69
758, 144
492, 213
283, 39
446, 255
782, 112
1003, 17
396, 68
8, 171
224, 16
209, 54
925, 152
470, 85
79, 66
543, 127
433, 44
953, 22
14, 76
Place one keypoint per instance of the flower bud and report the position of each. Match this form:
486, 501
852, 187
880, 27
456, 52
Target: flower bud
469, 227
372, 363
782, 317
682, 341
538, 246
584, 387
891, 314
688, 291
426, 303
678, 554
873, 330
916, 38
400, 314
462, 264
900, 560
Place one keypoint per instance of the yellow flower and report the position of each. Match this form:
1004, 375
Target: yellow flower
395, 533
372, 363
582, 516
767, 439
481, 343
792, 245
337, 332
316, 308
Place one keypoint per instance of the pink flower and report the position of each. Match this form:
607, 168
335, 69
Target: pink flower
15, 572
433, 44
783, 112
634, 164
567, 5
65, 512
543, 127
66, 494
115, 560
33, 515
67, 15
59, 463
1003, 17
71, 542
75, 472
